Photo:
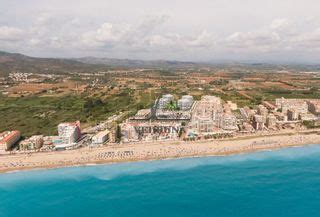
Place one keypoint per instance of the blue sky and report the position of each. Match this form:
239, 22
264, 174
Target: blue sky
202, 30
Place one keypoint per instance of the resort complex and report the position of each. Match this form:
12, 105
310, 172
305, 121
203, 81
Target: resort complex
177, 119
73, 112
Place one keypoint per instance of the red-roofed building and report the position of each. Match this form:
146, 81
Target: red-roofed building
8, 139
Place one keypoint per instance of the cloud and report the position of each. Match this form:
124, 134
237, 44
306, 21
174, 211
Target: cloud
166, 40
152, 36
205, 39
148, 36
281, 35
11, 33
151, 23
263, 41
279, 24
309, 40
110, 33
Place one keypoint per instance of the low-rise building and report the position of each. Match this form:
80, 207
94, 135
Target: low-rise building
100, 137
281, 117
149, 131
33, 143
143, 114
269, 105
233, 106
308, 117
204, 125
246, 127
300, 105
8, 139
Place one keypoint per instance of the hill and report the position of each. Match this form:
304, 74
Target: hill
16, 62
150, 64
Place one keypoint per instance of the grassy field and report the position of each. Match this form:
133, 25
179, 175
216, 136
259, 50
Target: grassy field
41, 115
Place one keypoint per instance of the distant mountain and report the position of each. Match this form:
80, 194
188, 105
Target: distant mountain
15, 62
151, 64
10, 62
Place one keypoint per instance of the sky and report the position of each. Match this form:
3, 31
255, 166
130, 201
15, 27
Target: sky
186, 30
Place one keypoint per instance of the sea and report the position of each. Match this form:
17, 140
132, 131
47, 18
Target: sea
277, 183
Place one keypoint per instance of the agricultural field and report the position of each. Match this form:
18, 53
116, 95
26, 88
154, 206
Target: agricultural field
38, 106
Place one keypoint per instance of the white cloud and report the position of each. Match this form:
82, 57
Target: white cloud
148, 36
309, 40
167, 40
110, 33
11, 33
256, 40
205, 40
281, 35
151, 23
149, 29
279, 24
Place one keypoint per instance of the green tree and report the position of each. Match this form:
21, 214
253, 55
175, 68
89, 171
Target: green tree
118, 134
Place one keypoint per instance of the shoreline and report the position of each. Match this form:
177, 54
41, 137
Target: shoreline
153, 151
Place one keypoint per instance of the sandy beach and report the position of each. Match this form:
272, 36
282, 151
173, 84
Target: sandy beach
154, 151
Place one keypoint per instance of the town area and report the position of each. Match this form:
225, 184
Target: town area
173, 119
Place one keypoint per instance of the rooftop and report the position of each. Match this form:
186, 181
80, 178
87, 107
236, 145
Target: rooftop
8, 135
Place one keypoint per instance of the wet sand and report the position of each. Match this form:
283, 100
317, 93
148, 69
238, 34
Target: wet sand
153, 151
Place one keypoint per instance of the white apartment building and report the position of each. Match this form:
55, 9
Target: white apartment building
186, 102
100, 137
69, 132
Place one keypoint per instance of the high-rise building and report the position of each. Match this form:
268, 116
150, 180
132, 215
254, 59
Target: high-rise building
228, 122
69, 132
164, 101
314, 107
262, 110
207, 113
247, 113
186, 102
271, 121
293, 114
258, 122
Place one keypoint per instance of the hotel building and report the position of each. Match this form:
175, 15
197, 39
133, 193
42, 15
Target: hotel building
206, 114
69, 132
185, 103
8, 139
164, 101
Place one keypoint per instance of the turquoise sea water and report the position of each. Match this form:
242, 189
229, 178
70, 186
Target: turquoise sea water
271, 183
